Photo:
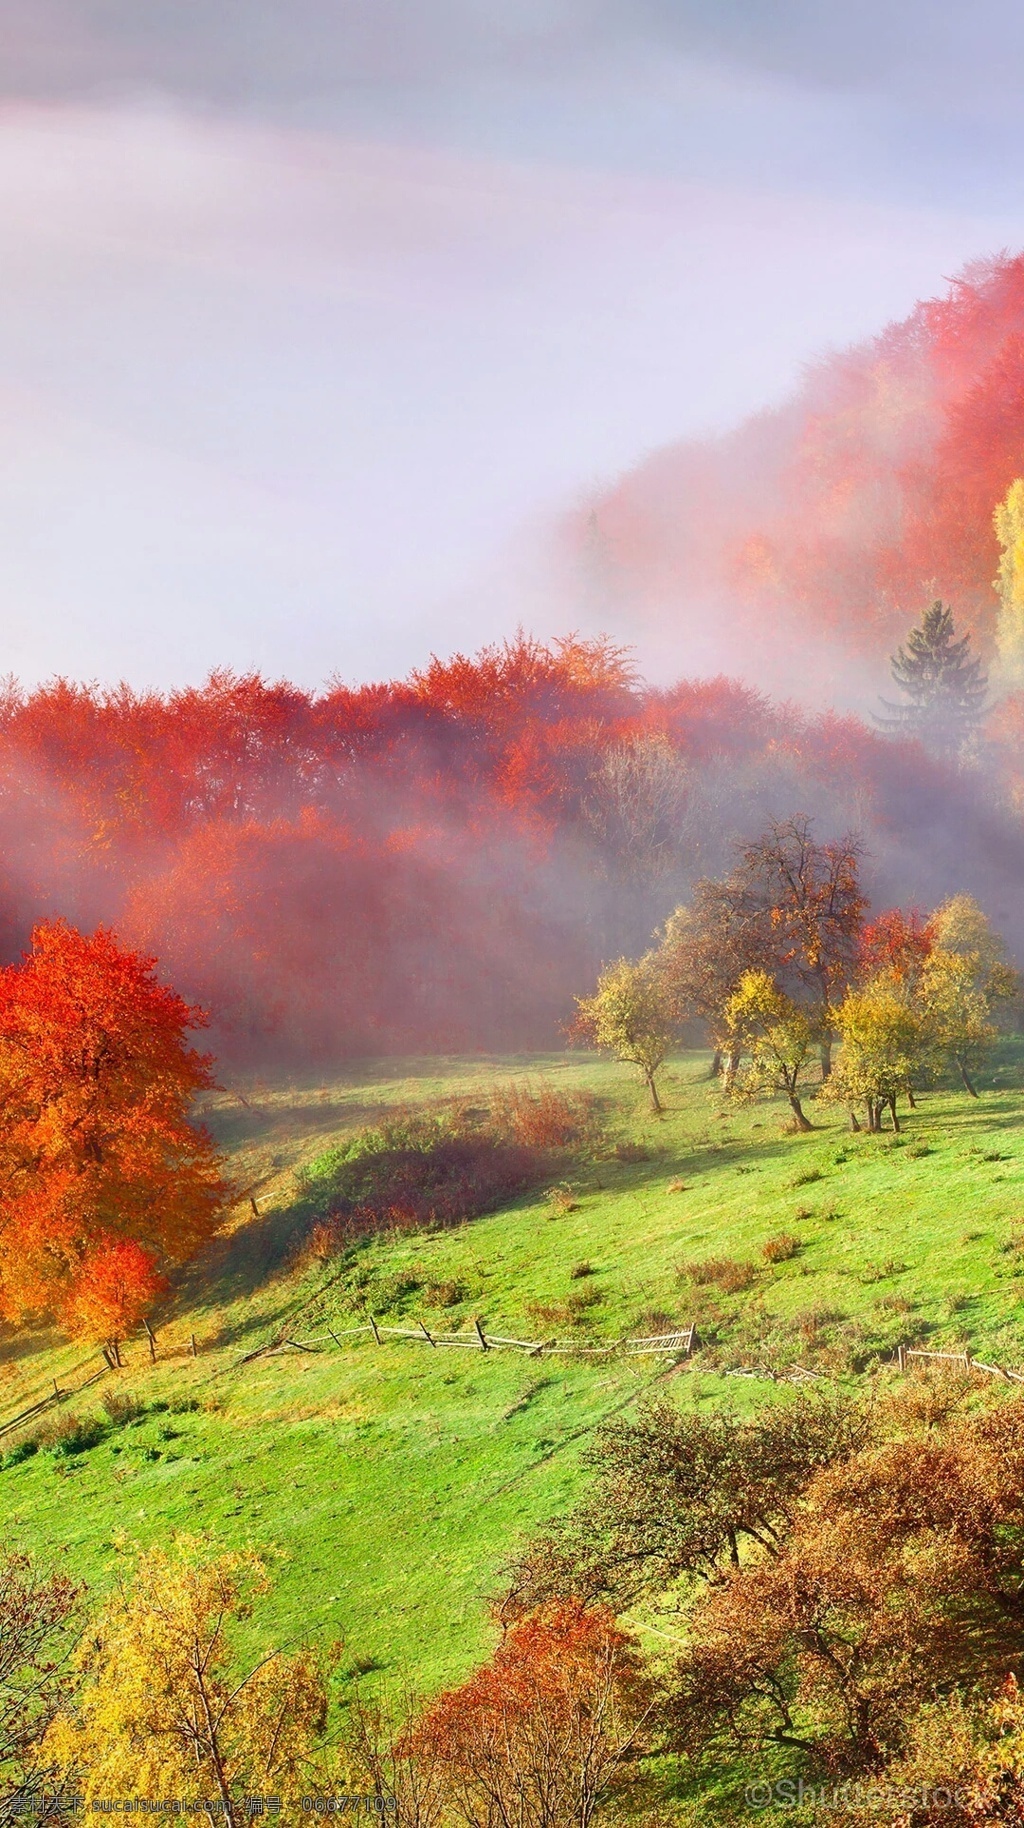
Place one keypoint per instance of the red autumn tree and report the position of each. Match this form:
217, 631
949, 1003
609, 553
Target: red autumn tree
896, 941
104, 1178
537, 1738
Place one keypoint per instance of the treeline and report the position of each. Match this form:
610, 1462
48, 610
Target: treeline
444, 861
776, 962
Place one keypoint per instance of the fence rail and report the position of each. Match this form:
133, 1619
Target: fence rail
963, 1359
680, 1342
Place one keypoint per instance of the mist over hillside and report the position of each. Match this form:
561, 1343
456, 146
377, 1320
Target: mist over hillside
446, 860
796, 550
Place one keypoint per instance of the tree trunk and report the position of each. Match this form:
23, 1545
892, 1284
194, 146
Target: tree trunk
854, 1121
826, 1058
716, 1064
874, 1118
732, 1067
895, 1119
656, 1104
911, 1100
798, 1115
968, 1087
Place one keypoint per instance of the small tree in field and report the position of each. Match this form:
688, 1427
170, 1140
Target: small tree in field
162, 1709
776, 1035
957, 1014
885, 1043
537, 1738
629, 1015
103, 1175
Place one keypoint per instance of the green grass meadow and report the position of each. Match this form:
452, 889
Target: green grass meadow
390, 1483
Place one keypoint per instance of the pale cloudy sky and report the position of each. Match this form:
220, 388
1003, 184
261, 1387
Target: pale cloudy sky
313, 312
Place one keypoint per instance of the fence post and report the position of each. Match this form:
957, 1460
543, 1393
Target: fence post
426, 1335
691, 1340
480, 1335
255, 1208
56, 1387
117, 1353
151, 1336
967, 1361
901, 1357
376, 1330
192, 1341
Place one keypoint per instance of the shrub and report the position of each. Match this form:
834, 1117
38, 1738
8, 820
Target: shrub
650, 1323
878, 1272
579, 1270
23, 1451
569, 1313
780, 1247
812, 1321
411, 1173
631, 1152
562, 1200
808, 1177
445, 1294
726, 1273
71, 1434
541, 1116
122, 1407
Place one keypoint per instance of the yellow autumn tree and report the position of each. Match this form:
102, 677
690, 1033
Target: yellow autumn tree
162, 1710
1009, 525
630, 1016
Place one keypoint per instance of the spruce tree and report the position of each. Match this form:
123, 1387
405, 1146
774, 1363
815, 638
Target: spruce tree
945, 686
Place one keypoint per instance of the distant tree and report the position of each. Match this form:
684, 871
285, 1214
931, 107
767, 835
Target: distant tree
163, 1708
1009, 526
945, 687
775, 1035
629, 1015
638, 805
540, 1736
807, 900
961, 926
957, 1015
966, 980
103, 1173
897, 942
885, 1044
704, 950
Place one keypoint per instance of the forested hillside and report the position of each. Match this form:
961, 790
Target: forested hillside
443, 861
798, 547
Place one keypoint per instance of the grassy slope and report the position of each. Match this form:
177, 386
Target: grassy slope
395, 1479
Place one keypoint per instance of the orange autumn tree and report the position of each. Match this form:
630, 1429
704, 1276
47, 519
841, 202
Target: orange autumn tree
541, 1736
104, 1179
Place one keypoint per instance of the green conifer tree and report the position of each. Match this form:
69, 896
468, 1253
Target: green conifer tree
945, 686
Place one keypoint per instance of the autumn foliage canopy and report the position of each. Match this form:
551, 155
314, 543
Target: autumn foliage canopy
104, 1179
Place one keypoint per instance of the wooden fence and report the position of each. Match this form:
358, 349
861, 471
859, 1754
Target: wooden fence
680, 1343
57, 1395
962, 1360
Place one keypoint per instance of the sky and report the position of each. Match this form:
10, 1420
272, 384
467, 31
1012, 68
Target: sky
316, 314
